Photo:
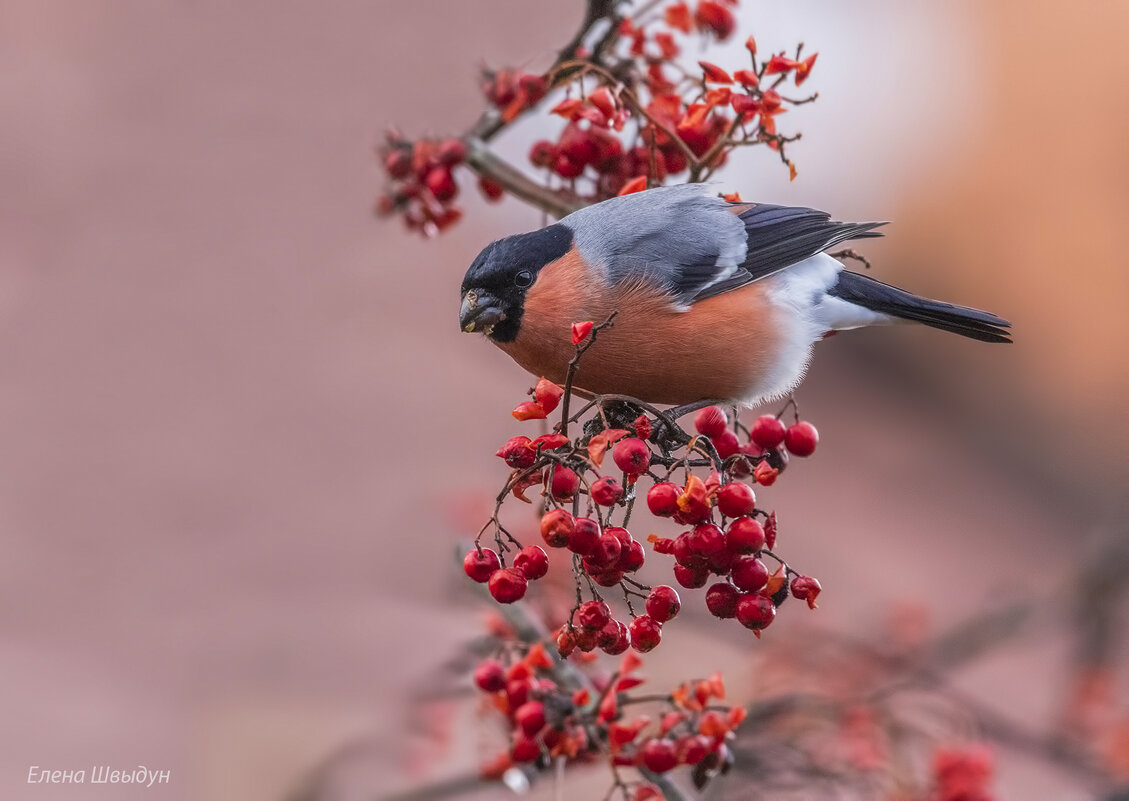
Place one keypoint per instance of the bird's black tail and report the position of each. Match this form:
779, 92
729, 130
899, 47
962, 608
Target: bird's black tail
877, 296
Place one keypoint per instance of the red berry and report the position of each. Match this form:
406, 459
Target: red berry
614, 638
646, 632
631, 558
517, 453
565, 483
755, 611
721, 562
711, 421
398, 163
659, 755
662, 499
691, 577
543, 153
524, 749
749, 574
517, 692
530, 717
491, 190
566, 642
726, 444
532, 561
801, 438
441, 184
767, 431
706, 539
606, 491
490, 676
585, 536
480, 564
566, 167
608, 578
585, 639
593, 615
692, 750
736, 499
607, 551
805, 588
721, 600
452, 152
642, 427
556, 528
507, 585
632, 456
663, 603
684, 551
745, 535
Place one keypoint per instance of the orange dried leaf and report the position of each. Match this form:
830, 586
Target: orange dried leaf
529, 410
803, 68
636, 184
547, 395
678, 17
567, 107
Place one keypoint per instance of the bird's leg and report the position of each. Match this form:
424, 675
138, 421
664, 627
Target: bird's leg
687, 408
677, 412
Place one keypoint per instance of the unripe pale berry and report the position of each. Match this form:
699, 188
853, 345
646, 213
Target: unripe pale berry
767, 431
801, 438
736, 499
721, 600
532, 561
507, 585
711, 421
632, 456
480, 564
749, 574
663, 603
557, 526
646, 632
662, 499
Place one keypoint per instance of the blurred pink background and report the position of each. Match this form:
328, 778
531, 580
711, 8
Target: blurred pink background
235, 407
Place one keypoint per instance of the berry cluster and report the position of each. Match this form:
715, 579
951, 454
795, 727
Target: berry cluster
424, 189
728, 536
636, 114
583, 717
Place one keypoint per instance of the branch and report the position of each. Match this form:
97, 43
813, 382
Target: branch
487, 164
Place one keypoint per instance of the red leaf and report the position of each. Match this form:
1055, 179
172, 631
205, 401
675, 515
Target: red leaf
567, 107
714, 73
637, 184
719, 96
780, 64
803, 68
627, 682
630, 663
678, 17
746, 78
733, 197
548, 442
580, 331
547, 394
667, 47
603, 100
751, 45
529, 411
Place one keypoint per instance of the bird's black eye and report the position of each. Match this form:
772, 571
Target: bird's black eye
524, 278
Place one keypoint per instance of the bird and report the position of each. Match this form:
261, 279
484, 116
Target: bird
714, 301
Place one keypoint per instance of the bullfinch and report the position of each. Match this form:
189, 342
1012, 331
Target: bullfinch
716, 301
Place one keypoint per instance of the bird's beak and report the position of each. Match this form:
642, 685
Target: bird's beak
480, 311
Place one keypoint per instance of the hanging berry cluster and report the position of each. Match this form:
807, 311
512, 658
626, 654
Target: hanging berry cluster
581, 717
587, 513
636, 116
